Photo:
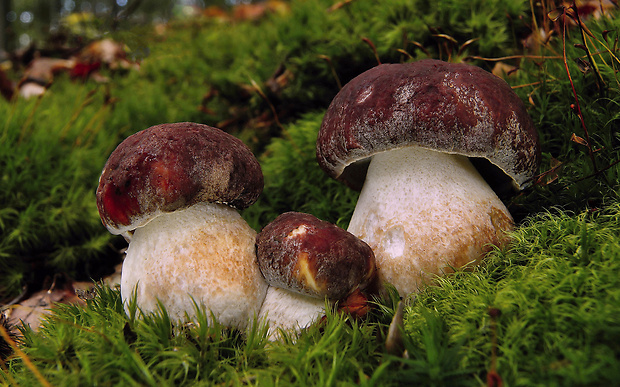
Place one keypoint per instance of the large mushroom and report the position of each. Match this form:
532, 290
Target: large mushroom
307, 261
172, 190
410, 135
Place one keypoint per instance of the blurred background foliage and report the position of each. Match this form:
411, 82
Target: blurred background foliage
43, 22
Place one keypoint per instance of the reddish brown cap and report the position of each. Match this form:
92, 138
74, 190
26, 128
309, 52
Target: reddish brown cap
173, 166
301, 253
454, 108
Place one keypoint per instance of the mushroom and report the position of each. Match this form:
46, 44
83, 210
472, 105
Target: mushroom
305, 261
408, 135
172, 190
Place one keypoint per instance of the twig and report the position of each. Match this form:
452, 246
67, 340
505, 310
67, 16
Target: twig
339, 5
275, 114
30, 118
512, 57
85, 102
493, 377
5, 335
372, 46
583, 29
577, 105
332, 69
408, 55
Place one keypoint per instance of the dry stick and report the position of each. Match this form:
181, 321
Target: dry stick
597, 172
24, 357
395, 342
577, 106
448, 44
403, 50
590, 55
275, 115
537, 179
513, 57
465, 45
583, 29
421, 47
85, 138
405, 53
533, 10
493, 377
532, 84
87, 101
15, 300
372, 46
29, 119
339, 5
332, 69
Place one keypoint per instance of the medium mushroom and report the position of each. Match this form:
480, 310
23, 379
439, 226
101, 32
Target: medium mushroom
172, 190
408, 135
305, 261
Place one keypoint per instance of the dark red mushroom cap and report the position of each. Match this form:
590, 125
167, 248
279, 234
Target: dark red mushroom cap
454, 108
172, 166
304, 254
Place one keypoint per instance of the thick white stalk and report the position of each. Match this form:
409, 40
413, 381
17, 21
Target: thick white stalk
289, 311
423, 213
205, 252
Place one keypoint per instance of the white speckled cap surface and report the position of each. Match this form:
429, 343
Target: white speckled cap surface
455, 108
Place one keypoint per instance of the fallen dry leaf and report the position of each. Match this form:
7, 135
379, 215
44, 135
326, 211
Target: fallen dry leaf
32, 310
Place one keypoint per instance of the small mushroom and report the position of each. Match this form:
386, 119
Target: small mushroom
411, 135
305, 261
172, 190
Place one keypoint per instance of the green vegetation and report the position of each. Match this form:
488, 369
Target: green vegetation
556, 292
553, 292
101, 343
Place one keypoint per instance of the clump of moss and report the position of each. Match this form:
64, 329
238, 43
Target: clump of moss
295, 182
100, 343
50, 156
7, 331
556, 293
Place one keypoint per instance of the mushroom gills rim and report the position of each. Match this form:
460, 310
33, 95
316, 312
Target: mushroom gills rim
354, 174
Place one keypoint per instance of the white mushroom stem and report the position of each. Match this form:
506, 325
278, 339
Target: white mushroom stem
205, 252
289, 311
424, 212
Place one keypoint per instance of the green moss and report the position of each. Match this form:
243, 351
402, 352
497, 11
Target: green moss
556, 289
295, 182
49, 163
99, 343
